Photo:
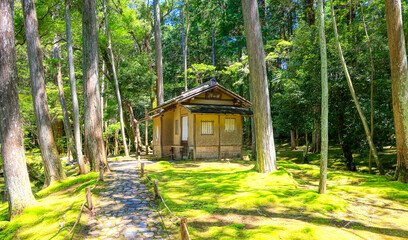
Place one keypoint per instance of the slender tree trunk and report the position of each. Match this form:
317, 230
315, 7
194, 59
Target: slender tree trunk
60, 84
122, 126
135, 128
292, 140
325, 100
129, 130
102, 91
116, 149
316, 135
146, 134
353, 94
92, 97
11, 133
371, 84
399, 78
107, 140
159, 58
213, 51
265, 146
52, 165
184, 48
75, 105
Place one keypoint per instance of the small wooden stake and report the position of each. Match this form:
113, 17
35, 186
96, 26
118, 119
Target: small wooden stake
89, 198
142, 170
183, 229
101, 173
156, 190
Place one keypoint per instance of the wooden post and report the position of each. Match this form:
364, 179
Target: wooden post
183, 229
146, 134
101, 173
156, 190
142, 170
89, 198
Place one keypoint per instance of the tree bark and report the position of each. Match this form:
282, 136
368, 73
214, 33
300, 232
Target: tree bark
75, 106
292, 140
92, 98
316, 135
399, 78
118, 97
325, 101
52, 165
353, 94
265, 146
11, 133
159, 57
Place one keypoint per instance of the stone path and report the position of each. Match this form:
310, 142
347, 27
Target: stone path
125, 209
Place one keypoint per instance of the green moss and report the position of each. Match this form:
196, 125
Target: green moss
54, 213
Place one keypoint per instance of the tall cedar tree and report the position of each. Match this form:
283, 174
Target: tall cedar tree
399, 78
95, 147
122, 125
52, 165
265, 146
325, 100
159, 56
75, 105
11, 133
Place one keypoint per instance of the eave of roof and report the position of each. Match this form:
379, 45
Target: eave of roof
207, 86
218, 109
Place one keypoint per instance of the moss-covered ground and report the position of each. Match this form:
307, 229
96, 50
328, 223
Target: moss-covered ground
55, 211
230, 200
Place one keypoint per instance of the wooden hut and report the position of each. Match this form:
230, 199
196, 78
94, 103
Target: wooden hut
204, 122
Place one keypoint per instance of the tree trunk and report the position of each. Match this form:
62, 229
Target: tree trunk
371, 83
130, 129
399, 77
325, 101
159, 58
353, 94
146, 134
11, 133
75, 106
292, 140
122, 126
345, 143
265, 146
52, 165
92, 98
213, 51
184, 48
316, 135
57, 126
107, 140
60, 84
116, 149
139, 140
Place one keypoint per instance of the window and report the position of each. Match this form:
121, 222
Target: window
230, 125
207, 128
176, 127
